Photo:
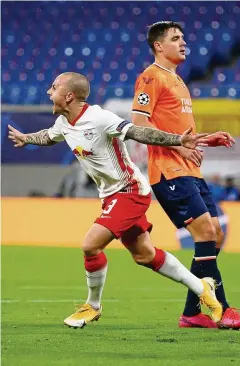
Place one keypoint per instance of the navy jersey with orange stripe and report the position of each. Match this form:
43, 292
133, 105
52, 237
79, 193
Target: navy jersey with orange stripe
162, 96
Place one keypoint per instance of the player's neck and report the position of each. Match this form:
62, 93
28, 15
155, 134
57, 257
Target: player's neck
166, 64
72, 112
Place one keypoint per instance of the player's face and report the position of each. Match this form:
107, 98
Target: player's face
58, 95
172, 46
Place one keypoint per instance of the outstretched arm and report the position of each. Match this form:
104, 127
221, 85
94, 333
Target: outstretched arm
193, 155
40, 138
152, 136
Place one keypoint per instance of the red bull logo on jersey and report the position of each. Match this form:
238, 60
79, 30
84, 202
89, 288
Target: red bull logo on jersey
80, 152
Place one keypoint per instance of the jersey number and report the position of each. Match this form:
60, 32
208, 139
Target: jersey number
110, 207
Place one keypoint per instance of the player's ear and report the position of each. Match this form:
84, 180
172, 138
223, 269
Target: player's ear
69, 97
157, 46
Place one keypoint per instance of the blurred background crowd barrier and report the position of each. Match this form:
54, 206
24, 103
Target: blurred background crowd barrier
55, 222
106, 41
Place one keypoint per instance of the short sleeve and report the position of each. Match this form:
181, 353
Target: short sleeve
55, 132
113, 125
147, 91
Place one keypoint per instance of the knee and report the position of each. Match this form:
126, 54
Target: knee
89, 250
220, 237
209, 232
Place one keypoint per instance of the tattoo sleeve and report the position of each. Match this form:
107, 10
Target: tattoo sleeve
152, 136
39, 138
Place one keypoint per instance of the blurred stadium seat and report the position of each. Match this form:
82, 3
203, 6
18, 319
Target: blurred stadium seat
107, 42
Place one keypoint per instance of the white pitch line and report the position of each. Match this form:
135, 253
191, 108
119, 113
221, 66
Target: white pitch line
83, 300
50, 301
52, 287
9, 301
179, 289
63, 300
162, 289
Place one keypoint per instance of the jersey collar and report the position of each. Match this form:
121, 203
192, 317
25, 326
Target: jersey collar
85, 107
164, 68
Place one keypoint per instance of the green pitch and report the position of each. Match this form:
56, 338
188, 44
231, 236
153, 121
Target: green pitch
41, 286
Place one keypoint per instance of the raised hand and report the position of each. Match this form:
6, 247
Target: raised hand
16, 136
220, 138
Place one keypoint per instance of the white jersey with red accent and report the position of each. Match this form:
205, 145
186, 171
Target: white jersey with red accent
96, 138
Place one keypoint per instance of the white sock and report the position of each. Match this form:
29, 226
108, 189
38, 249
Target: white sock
176, 271
95, 282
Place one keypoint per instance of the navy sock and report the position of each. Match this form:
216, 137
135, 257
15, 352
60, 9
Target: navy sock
220, 293
205, 257
192, 306
203, 265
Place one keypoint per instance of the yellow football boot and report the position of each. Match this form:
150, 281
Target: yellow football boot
84, 315
209, 299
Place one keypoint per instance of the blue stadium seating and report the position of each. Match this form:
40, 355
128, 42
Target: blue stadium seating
107, 42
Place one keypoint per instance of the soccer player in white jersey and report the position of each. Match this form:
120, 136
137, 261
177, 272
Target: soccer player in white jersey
96, 137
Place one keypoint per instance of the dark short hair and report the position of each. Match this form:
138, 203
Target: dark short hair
158, 30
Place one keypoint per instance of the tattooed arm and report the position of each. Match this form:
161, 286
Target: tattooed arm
40, 138
152, 136
193, 155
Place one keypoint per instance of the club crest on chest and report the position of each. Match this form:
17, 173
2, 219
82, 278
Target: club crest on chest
88, 134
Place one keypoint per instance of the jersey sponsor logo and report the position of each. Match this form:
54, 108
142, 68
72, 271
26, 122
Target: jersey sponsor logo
147, 80
80, 152
186, 105
88, 134
186, 109
172, 187
121, 125
143, 99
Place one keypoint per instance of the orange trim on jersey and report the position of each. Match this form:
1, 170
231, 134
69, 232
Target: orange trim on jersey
85, 107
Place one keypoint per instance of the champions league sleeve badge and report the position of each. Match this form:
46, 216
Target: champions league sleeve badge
143, 99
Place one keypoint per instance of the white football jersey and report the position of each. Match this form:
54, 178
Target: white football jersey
96, 138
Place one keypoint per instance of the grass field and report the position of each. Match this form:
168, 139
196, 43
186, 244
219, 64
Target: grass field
41, 286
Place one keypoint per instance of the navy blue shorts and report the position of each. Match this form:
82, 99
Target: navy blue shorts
184, 199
